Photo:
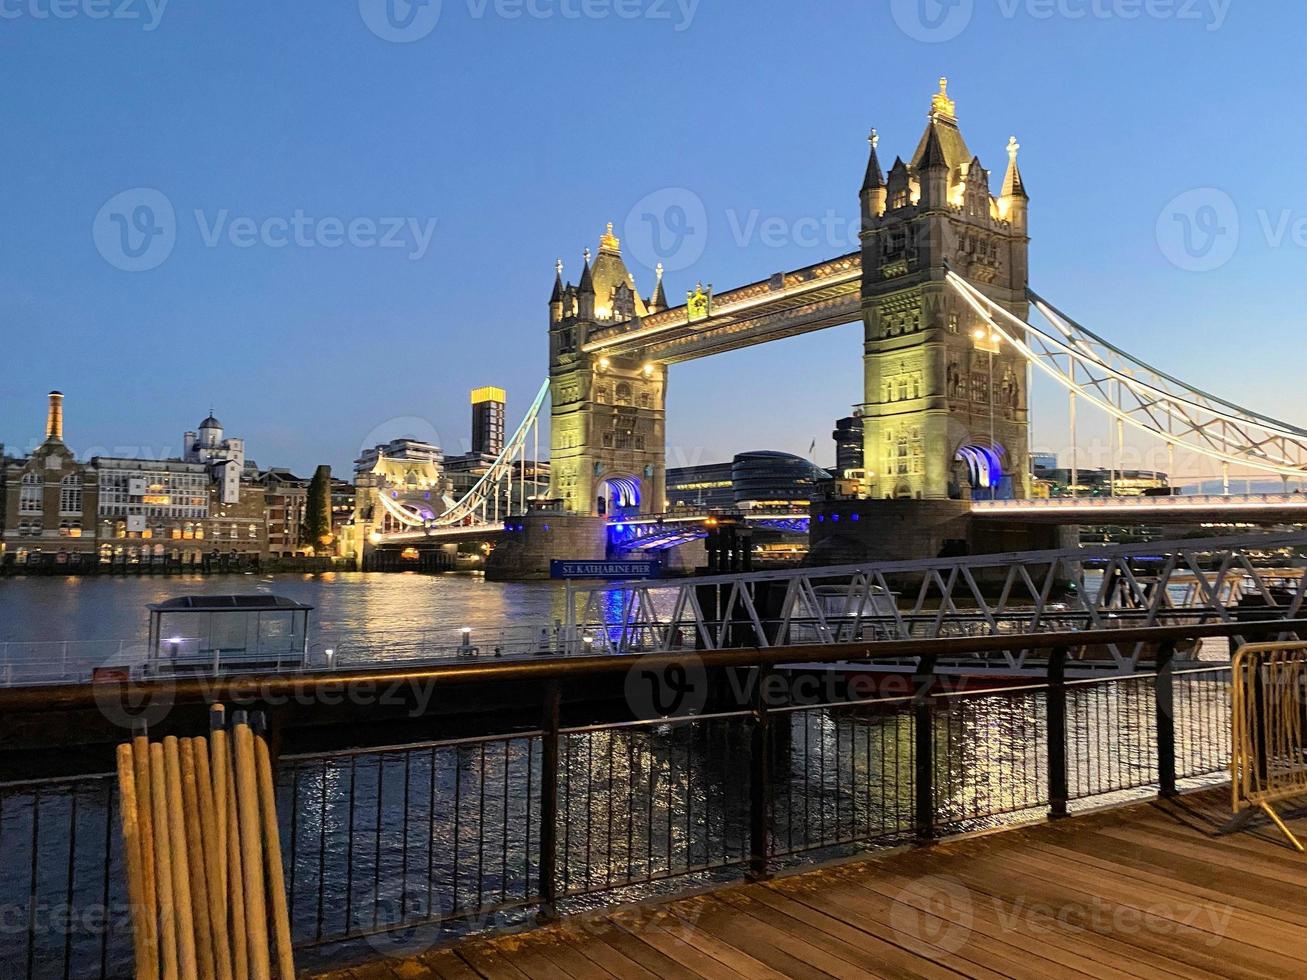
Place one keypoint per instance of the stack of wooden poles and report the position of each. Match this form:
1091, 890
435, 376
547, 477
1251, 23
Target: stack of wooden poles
203, 856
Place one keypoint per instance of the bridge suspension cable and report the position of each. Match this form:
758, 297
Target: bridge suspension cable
1137, 394
481, 504
491, 498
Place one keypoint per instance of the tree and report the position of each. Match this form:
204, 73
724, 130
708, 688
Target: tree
316, 532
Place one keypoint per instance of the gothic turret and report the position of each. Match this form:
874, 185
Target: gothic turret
556, 298
585, 292
933, 171
874, 190
1014, 202
658, 301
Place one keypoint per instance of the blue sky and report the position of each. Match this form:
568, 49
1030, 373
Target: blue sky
501, 142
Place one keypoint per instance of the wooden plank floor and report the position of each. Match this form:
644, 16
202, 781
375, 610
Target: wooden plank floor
1149, 890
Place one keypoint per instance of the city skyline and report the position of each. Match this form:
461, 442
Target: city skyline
350, 346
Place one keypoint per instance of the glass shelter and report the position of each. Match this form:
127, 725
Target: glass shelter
192, 634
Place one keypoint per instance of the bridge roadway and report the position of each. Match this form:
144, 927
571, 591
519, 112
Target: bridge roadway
1151, 889
1282, 508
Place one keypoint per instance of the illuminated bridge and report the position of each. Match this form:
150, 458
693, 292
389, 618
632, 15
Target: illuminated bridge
953, 336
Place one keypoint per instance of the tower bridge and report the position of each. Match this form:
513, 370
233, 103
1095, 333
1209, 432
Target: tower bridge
952, 336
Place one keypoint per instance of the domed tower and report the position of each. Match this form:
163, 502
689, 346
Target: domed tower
945, 403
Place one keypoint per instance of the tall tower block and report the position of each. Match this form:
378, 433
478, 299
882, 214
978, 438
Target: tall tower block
489, 406
946, 413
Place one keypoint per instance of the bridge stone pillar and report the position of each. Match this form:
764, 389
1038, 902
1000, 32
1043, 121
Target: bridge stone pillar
608, 424
939, 393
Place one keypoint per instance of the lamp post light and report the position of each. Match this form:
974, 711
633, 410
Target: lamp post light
989, 341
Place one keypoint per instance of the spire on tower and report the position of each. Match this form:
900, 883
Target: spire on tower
1013, 185
658, 301
557, 296
608, 242
874, 179
941, 105
586, 285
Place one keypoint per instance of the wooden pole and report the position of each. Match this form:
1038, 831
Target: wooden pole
145, 816
221, 760
163, 863
272, 846
195, 863
247, 800
147, 958
181, 890
215, 859
240, 943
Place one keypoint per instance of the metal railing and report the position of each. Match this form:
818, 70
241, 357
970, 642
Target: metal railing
400, 846
1231, 501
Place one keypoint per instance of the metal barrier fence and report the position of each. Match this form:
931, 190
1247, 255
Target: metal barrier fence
1269, 729
398, 847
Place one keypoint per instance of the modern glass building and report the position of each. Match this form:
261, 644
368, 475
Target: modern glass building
751, 480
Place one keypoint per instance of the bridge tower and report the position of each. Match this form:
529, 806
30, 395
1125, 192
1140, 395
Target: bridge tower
608, 425
946, 408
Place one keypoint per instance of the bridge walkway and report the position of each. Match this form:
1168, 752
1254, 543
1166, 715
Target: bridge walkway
1147, 890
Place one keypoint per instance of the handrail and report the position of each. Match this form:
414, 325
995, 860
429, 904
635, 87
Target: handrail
254, 688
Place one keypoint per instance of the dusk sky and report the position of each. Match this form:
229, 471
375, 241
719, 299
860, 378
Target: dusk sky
501, 143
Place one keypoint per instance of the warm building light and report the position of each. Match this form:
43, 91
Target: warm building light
604, 364
648, 370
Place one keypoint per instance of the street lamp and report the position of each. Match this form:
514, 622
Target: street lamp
989, 341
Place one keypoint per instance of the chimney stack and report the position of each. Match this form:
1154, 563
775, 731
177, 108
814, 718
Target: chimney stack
54, 420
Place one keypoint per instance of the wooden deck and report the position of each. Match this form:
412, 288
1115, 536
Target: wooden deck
1149, 890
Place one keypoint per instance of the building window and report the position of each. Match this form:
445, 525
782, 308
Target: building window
624, 394
29, 496
70, 495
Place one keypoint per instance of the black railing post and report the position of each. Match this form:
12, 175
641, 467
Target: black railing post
1164, 689
1058, 783
924, 748
760, 780
549, 802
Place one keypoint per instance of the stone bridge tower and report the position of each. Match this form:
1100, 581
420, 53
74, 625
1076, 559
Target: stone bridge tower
945, 405
608, 424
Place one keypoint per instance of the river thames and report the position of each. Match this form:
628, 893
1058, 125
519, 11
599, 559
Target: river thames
107, 607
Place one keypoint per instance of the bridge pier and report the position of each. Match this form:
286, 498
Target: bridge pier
531, 541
